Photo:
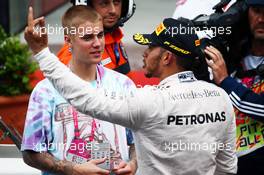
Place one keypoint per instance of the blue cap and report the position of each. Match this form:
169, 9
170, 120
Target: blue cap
255, 2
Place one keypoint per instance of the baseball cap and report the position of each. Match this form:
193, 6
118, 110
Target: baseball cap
255, 2
173, 35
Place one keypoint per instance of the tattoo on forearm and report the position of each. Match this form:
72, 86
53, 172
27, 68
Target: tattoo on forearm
47, 162
132, 153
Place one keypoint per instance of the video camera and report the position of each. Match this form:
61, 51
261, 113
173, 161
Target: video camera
228, 26
221, 17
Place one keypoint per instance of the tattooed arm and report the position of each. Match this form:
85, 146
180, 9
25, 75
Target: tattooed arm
133, 155
133, 158
47, 162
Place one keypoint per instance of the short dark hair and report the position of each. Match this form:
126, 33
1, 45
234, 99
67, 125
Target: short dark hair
198, 66
184, 63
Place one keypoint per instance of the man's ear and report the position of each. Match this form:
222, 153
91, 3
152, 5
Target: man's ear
67, 39
166, 57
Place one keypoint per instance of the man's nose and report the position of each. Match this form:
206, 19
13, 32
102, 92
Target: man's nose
112, 8
96, 42
145, 53
260, 17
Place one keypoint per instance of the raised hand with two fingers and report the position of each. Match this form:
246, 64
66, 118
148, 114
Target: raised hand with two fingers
36, 39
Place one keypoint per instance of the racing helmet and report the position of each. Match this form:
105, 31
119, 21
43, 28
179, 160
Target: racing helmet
128, 9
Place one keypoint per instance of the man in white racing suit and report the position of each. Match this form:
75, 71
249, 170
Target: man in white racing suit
182, 126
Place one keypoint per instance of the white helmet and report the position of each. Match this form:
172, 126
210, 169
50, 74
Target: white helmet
128, 9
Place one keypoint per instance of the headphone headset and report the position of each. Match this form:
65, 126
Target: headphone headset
128, 10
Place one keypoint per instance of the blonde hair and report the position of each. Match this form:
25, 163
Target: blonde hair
77, 15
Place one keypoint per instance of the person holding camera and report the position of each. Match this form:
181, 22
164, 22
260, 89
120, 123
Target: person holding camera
181, 126
246, 90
